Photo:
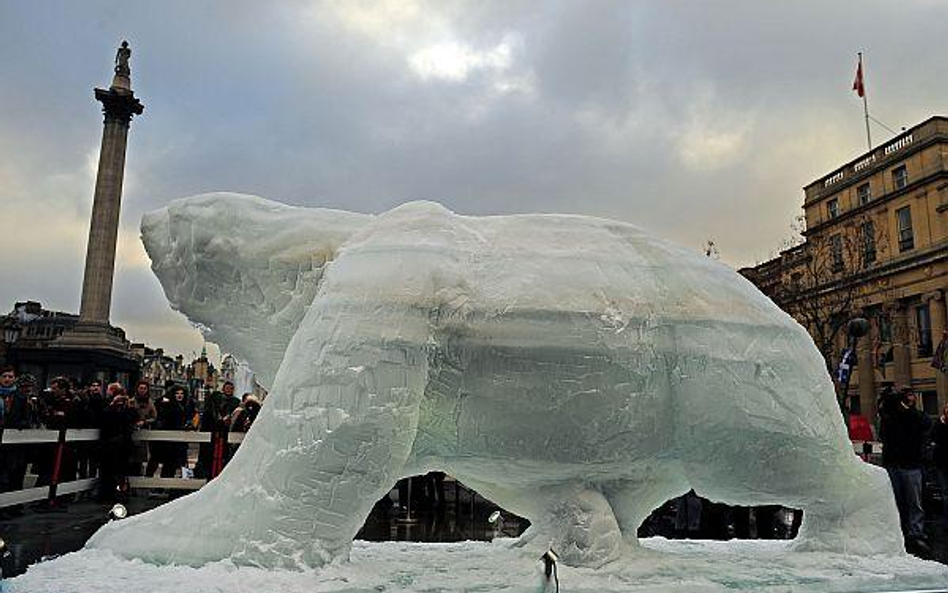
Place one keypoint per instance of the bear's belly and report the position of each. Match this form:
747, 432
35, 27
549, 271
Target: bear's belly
529, 409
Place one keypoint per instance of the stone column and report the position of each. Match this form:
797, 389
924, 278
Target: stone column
119, 105
936, 307
901, 352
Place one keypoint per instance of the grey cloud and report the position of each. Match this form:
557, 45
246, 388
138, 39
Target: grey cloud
694, 119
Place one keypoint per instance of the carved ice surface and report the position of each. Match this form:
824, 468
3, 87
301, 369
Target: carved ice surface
577, 371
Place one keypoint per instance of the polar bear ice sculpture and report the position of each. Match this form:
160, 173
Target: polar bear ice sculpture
576, 371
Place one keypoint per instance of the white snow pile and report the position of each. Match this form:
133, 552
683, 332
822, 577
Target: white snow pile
661, 566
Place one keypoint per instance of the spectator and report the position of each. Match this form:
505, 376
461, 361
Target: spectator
13, 459
903, 430
170, 416
59, 411
96, 402
26, 411
245, 413
118, 421
21, 405
147, 414
941, 461
218, 408
7, 389
228, 403
112, 390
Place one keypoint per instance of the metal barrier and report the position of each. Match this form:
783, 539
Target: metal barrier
50, 492
217, 441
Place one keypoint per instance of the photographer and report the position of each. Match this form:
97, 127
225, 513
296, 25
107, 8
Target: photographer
117, 423
903, 430
170, 416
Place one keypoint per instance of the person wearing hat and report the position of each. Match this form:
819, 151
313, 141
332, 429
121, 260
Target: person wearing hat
903, 431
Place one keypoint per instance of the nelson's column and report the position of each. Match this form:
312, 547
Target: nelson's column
93, 346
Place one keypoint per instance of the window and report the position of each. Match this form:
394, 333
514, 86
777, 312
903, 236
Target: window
899, 177
836, 252
832, 208
884, 323
885, 328
863, 194
867, 235
923, 322
906, 238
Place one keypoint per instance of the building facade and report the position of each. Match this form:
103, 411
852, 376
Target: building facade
875, 245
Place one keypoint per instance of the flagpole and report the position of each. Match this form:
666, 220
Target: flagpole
865, 102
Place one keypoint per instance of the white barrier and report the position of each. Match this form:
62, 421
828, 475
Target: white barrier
60, 438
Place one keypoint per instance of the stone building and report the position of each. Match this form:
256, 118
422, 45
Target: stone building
32, 337
159, 369
876, 246
202, 376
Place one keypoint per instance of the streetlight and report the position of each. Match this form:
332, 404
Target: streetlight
118, 512
11, 330
855, 329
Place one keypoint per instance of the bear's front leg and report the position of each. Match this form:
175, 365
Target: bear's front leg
331, 439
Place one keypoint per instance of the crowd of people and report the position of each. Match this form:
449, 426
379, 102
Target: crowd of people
117, 414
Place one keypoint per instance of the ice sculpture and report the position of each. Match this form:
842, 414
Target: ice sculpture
575, 370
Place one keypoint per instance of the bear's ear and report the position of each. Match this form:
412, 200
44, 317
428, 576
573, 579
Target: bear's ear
244, 269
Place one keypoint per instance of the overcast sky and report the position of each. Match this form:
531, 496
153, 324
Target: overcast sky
695, 120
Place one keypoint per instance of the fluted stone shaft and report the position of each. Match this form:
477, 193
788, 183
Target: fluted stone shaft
106, 206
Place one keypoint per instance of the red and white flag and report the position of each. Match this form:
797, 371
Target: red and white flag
857, 84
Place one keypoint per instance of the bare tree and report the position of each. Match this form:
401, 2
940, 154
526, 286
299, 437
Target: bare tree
824, 279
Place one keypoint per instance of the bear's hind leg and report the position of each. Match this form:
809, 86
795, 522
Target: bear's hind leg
634, 500
847, 504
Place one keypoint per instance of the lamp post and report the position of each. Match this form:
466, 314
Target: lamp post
855, 329
11, 333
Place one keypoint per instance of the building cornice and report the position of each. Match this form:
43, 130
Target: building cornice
883, 199
907, 143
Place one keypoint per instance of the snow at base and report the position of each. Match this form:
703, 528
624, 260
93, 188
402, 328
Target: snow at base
663, 566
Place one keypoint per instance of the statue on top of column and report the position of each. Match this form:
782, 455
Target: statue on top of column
121, 60
121, 82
